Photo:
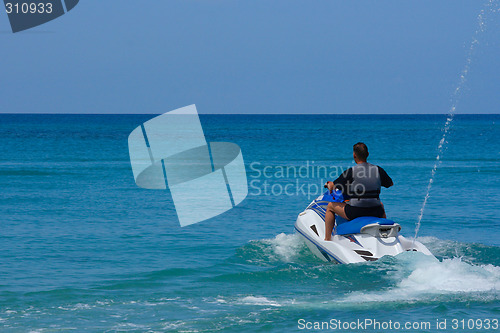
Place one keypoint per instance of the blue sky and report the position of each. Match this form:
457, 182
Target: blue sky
228, 56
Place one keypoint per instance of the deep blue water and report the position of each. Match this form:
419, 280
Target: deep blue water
82, 247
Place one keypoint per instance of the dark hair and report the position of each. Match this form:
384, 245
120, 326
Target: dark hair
361, 151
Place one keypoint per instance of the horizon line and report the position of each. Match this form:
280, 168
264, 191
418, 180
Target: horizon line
260, 114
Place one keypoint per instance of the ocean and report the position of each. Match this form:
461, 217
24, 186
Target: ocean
83, 248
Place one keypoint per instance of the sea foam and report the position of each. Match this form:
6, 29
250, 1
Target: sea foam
420, 278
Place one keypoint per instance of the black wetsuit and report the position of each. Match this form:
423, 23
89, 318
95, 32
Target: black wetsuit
361, 185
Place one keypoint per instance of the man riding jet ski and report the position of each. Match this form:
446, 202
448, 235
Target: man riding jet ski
362, 231
361, 186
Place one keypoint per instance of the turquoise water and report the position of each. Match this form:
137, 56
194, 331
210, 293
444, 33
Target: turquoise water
84, 248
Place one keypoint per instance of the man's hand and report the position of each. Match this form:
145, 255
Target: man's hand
329, 186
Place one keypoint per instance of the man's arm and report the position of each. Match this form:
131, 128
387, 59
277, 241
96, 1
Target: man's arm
385, 180
343, 179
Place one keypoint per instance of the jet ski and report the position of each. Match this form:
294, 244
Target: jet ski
362, 239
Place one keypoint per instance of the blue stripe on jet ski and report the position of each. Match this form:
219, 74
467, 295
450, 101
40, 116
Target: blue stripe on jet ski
320, 248
319, 207
320, 213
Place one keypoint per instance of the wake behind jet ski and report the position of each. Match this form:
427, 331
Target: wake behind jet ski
362, 239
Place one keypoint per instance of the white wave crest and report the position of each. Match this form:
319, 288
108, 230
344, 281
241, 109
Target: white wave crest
453, 275
253, 300
284, 247
429, 278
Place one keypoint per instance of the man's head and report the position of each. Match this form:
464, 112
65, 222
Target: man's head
360, 152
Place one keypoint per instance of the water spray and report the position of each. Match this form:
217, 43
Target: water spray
490, 6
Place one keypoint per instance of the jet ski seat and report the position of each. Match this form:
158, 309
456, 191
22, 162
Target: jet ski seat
375, 226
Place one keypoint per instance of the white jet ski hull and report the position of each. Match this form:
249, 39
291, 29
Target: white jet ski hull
372, 242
